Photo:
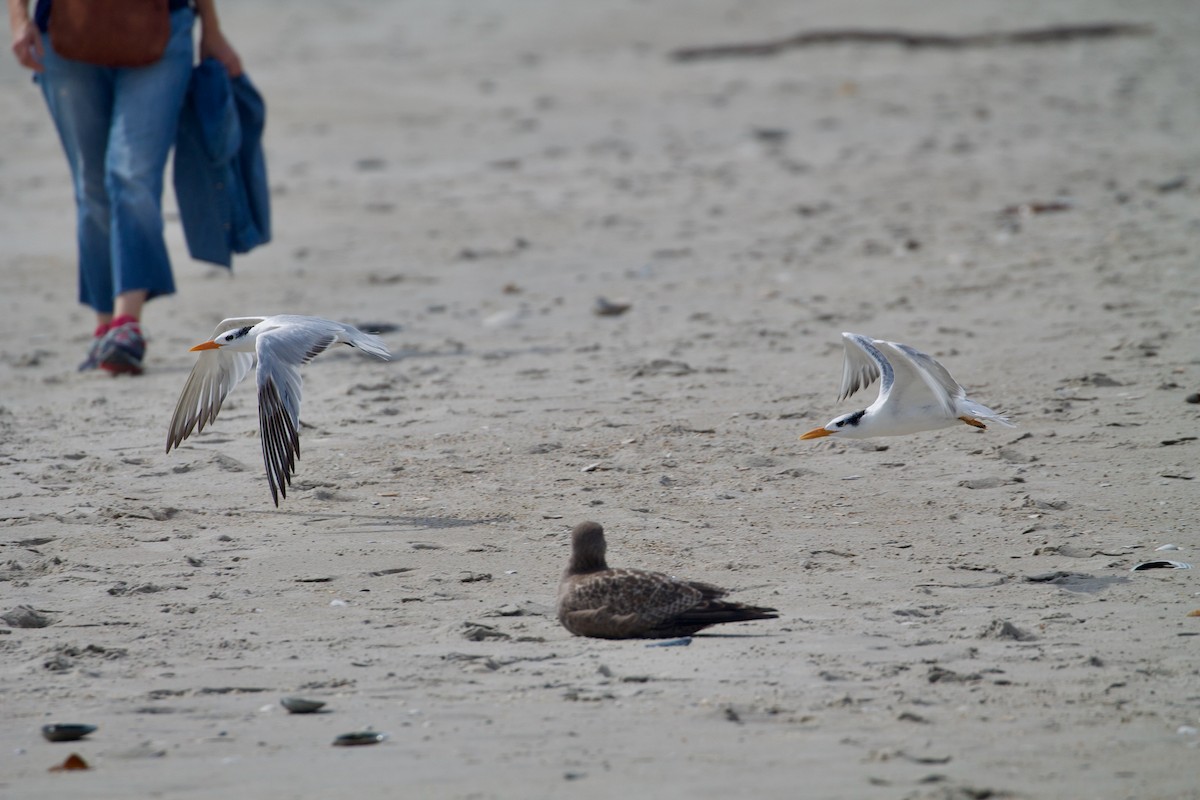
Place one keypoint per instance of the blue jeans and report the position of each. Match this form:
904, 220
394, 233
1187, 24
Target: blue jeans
117, 126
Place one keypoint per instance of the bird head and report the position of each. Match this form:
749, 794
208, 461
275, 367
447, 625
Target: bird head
236, 339
587, 548
846, 425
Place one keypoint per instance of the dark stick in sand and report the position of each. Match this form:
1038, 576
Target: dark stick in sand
944, 41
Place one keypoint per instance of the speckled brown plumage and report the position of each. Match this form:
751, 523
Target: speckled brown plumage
604, 603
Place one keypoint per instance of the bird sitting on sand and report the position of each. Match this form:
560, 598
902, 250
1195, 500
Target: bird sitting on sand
282, 343
604, 603
916, 393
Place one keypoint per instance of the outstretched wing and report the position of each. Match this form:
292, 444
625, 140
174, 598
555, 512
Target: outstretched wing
919, 380
212, 379
862, 364
281, 353
938, 376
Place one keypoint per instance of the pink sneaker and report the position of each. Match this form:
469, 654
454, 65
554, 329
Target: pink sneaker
123, 347
96, 348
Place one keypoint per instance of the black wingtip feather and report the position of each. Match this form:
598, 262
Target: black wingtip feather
280, 441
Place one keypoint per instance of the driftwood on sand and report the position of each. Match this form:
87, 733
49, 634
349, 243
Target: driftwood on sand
944, 41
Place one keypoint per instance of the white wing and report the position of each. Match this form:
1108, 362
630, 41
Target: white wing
212, 379
314, 327
281, 353
917, 374
942, 383
862, 364
932, 369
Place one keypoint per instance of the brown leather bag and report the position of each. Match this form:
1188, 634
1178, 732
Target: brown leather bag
110, 33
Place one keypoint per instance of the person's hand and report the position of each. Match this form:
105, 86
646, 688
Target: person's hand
27, 45
213, 44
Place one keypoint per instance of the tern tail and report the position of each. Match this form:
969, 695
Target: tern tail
982, 413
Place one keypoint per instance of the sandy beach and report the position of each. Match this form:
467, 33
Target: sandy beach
959, 618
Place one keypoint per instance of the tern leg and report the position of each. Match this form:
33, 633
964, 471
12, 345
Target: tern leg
974, 423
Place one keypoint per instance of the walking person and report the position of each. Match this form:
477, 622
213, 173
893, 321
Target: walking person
117, 125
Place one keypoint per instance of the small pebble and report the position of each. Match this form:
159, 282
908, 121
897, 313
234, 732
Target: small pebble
681, 642
300, 705
608, 308
1194, 397
1160, 565
26, 617
359, 737
73, 762
67, 732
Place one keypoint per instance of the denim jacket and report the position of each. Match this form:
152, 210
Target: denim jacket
220, 172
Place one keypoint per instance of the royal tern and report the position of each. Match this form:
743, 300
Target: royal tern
604, 603
916, 393
282, 343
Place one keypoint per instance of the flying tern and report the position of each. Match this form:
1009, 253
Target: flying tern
282, 344
916, 393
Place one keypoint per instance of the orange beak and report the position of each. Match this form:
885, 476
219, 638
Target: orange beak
816, 433
206, 346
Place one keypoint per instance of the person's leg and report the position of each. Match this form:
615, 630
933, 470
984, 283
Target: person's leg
129, 304
147, 101
80, 99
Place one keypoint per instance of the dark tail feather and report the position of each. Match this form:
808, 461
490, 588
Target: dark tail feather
713, 613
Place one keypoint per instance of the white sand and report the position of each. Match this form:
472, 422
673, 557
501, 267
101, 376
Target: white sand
478, 173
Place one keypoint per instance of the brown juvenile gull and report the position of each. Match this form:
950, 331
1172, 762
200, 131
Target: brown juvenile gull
604, 603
